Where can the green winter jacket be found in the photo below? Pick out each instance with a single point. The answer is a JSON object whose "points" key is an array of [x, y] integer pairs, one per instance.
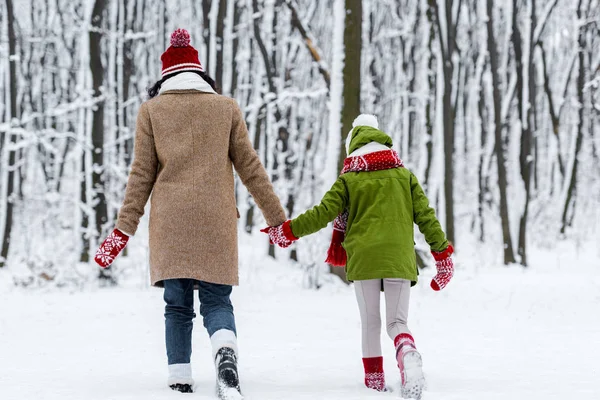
{"points": [[383, 206]]}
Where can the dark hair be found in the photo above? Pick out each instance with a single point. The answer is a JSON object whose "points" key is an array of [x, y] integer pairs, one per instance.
{"points": [[154, 89]]}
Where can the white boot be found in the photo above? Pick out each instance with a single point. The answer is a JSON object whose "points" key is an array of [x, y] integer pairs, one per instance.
{"points": [[224, 344], [223, 338], [180, 373]]}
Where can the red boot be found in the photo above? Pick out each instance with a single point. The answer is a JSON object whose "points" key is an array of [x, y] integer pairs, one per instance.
{"points": [[374, 376], [411, 366]]}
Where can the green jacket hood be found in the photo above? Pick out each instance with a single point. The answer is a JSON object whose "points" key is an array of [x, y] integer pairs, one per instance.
{"points": [[363, 135]]}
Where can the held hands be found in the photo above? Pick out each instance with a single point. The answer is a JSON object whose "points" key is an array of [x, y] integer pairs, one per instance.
{"points": [[445, 268], [111, 248], [281, 235]]}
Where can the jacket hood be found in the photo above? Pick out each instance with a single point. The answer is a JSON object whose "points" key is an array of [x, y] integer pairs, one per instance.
{"points": [[363, 135]]}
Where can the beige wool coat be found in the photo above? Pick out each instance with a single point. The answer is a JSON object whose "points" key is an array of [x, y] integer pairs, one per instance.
{"points": [[186, 146]]}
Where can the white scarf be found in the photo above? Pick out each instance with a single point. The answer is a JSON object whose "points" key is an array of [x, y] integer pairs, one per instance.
{"points": [[186, 81]]}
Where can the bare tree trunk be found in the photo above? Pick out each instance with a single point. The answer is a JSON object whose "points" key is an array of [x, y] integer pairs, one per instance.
{"points": [[572, 188], [509, 256], [85, 219], [351, 79], [409, 65], [97, 69], [449, 115], [554, 115], [128, 72], [206, 4], [257, 136], [483, 188], [430, 106], [237, 12], [220, 42], [525, 109], [448, 47], [353, 50], [12, 115]]}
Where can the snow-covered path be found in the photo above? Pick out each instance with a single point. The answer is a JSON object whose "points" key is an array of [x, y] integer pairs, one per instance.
{"points": [[503, 334]]}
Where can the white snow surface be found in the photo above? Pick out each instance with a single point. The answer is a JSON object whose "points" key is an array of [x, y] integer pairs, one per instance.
{"points": [[495, 333]]}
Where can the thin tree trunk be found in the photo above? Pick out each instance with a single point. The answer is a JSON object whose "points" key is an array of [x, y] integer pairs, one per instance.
{"points": [[524, 105], [351, 79], [97, 69], [257, 136], [509, 256], [220, 42], [481, 177], [206, 5], [235, 31], [12, 115], [431, 98], [128, 72], [448, 47], [351, 74], [409, 65], [554, 115], [572, 188], [85, 219], [449, 113]]}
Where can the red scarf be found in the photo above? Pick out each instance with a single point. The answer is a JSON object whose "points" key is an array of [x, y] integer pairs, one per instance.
{"points": [[378, 161]]}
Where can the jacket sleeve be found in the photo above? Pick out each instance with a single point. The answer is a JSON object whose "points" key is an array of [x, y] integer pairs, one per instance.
{"points": [[141, 177], [334, 203], [424, 217], [251, 171]]}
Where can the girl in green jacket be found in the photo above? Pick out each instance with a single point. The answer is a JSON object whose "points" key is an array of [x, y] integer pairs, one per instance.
{"points": [[375, 203]]}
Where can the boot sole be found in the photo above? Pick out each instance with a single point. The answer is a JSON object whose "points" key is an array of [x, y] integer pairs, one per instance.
{"points": [[414, 380]]}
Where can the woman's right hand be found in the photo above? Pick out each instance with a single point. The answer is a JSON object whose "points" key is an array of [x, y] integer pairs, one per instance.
{"points": [[111, 248], [281, 235]]}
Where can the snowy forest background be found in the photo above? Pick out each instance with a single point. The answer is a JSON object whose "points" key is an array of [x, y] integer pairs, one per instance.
{"points": [[494, 104]]}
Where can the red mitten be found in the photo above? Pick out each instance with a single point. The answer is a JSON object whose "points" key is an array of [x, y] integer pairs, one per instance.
{"points": [[110, 248], [445, 268], [281, 235]]}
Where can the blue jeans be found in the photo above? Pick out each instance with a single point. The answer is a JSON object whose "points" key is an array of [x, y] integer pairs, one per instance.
{"points": [[215, 307]]}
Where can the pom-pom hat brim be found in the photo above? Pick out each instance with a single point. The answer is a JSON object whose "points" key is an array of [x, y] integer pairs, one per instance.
{"points": [[182, 67], [180, 56]]}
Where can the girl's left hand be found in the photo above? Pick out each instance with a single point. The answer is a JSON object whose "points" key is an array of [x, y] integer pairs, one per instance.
{"points": [[445, 268], [281, 235]]}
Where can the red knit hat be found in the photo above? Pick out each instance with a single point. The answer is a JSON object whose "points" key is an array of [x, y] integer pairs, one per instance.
{"points": [[180, 56]]}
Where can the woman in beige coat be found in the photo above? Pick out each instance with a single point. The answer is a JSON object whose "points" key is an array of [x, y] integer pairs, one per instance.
{"points": [[188, 140]]}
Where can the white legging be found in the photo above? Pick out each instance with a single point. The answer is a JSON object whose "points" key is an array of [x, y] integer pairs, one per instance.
{"points": [[368, 295]]}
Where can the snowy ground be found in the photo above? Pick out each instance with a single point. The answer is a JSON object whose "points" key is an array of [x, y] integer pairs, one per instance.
{"points": [[495, 333]]}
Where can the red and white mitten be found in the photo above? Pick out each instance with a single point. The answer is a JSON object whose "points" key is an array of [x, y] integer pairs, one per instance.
{"points": [[445, 268], [281, 235], [111, 248]]}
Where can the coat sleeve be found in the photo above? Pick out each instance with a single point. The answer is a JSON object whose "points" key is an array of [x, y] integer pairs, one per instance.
{"points": [[142, 175], [251, 171], [333, 204], [424, 217]]}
